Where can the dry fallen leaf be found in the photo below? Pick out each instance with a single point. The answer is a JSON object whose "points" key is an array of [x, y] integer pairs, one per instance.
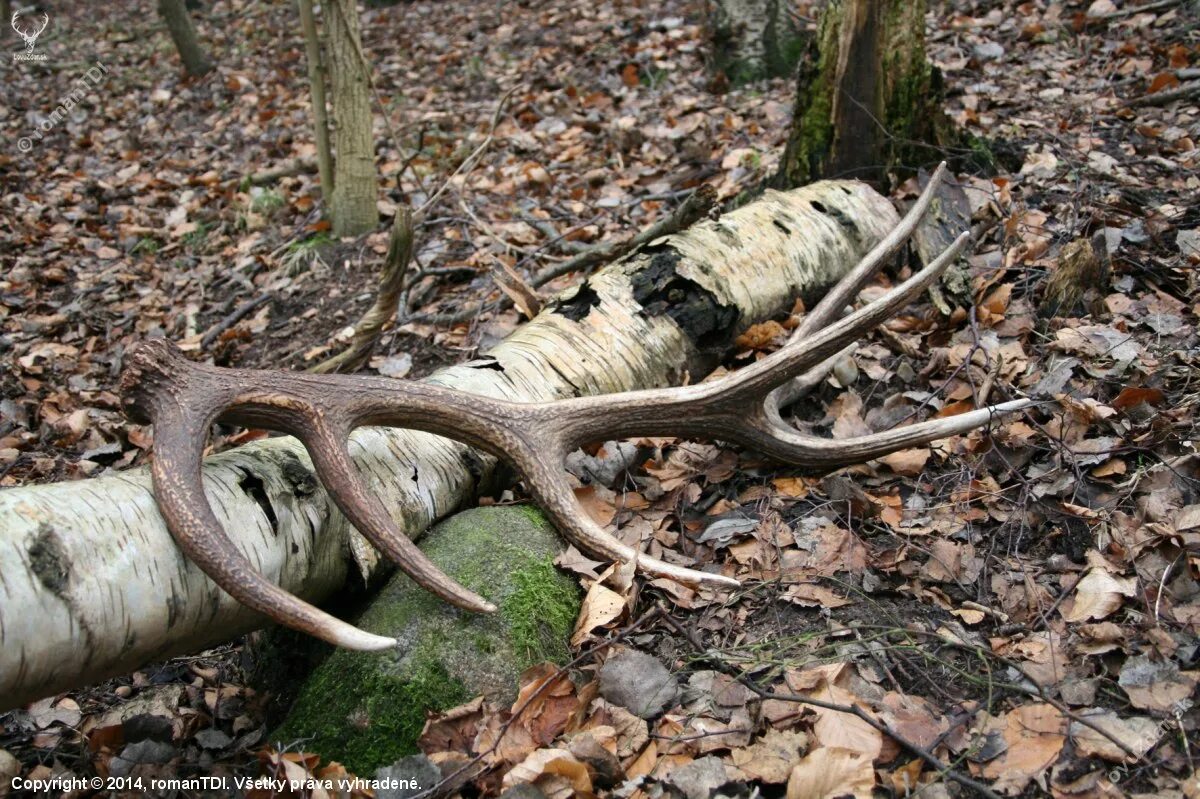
{"points": [[908, 462], [1138, 733], [831, 773], [555, 772], [600, 606], [1034, 735], [1097, 596], [772, 757]]}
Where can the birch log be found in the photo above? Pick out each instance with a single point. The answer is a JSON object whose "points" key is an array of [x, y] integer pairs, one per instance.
{"points": [[92, 585]]}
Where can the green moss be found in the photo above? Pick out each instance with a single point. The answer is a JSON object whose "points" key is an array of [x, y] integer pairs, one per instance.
{"points": [[356, 712], [367, 709], [541, 612]]}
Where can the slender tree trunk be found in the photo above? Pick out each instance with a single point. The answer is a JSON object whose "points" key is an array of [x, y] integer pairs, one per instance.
{"points": [[753, 39], [867, 100], [316, 86], [355, 183], [91, 583], [173, 12]]}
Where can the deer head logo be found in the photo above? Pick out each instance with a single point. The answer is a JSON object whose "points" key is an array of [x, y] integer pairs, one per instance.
{"points": [[30, 36]]}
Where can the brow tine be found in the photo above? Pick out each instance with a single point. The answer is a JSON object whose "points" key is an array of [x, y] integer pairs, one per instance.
{"points": [[178, 487], [340, 477]]}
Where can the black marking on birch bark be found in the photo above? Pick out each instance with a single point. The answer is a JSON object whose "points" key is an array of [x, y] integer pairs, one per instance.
{"points": [[577, 306], [176, 607], [473, 463], [554, 368], [486, 362], [254, 487], [661, 290], [727, 235], [303, 482], [787, 231], [840, 217], [49, 561]]}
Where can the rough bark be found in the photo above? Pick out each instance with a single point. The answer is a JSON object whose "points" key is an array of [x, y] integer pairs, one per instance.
{"points": [[753, 39], [175, 14], [867, 100], [316, 87], [91, 583], [355, 182]]}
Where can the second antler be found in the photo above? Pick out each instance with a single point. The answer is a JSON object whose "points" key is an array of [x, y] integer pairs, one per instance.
{"points": [[183, 399]]}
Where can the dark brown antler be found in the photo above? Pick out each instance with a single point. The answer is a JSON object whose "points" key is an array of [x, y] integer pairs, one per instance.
{"points": [[183, 399]]}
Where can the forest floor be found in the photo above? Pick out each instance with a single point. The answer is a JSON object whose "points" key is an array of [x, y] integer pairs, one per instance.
{"points": [[1021, 601]]}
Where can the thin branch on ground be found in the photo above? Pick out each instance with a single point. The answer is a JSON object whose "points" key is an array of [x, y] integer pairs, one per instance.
{"points": [[932, 760], [391, 283], [699, 204]]}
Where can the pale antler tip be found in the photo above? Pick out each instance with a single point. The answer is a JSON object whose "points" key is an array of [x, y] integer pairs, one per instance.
{"points": [[361, 640]]}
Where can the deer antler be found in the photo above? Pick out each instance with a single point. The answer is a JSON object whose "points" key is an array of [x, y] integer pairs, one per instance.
{"points": [[30, 38], [182, 399]]}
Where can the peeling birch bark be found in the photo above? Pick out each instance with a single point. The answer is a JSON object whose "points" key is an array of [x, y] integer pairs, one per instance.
{"points": [[92, 585]]}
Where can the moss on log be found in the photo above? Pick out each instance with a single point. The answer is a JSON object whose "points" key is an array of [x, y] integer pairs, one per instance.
{"points": [[367, 709]]}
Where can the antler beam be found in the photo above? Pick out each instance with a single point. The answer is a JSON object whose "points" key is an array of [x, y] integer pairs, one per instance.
{"points": [[182, 400]]}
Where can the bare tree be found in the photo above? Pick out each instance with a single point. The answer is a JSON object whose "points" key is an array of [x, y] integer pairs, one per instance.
{"points": [[866, 99], [175, 14], [753, 39], [316, 85], [355, 179]]}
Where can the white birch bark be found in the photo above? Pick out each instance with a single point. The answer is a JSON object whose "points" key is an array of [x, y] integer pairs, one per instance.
{"points": [[92, 585]]}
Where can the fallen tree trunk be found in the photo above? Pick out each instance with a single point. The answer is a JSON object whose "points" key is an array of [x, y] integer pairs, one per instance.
{"points": [[92, 585]]}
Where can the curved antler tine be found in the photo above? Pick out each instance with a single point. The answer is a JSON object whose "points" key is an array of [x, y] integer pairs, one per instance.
{"points": [[811, 452], [556, 499], [845, 290], [154, 385], [758, 379], [842, 294], [327, 447]]}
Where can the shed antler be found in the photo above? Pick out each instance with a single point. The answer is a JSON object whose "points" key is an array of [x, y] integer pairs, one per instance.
{"points": [[182, 399]]}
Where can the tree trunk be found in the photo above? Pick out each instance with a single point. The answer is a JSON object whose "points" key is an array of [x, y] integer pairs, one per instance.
{"points": [[316, 87], [91, 583], [753, 39], [173, 12], [867, 100], [355, 183]]}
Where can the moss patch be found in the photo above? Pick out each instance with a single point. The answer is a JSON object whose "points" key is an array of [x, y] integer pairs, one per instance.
{"points": [[367, 709]]}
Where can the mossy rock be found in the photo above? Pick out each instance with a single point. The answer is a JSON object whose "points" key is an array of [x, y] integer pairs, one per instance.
{"points": [[367, 709]]}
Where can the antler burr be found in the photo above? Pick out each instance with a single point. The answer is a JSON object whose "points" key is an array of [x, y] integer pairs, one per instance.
{"points": [[182, 399]]}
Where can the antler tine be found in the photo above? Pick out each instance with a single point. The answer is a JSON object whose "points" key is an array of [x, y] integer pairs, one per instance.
{"points": [[774, 436], [822, 454], [760, 378], [364, 510], [834, 303], [845, 290], [556, 499], [154, 385]]}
